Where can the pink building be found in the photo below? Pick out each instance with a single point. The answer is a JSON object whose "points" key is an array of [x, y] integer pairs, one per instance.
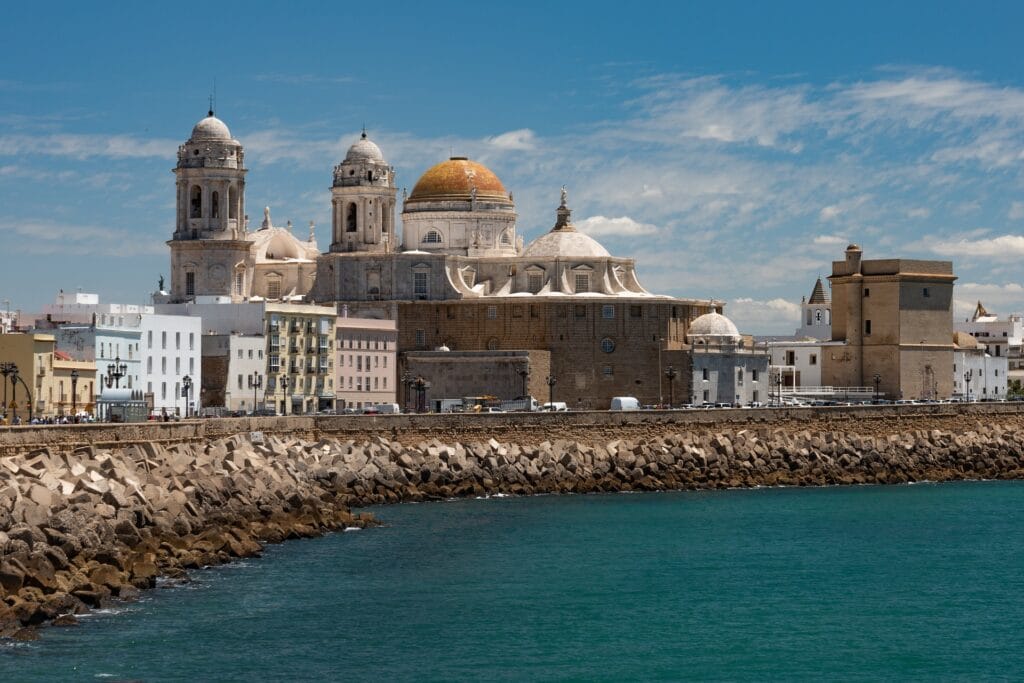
{"points": [[365, 371]]}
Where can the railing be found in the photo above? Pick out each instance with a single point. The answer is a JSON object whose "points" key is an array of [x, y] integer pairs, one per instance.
{"points": [[824, 390]]}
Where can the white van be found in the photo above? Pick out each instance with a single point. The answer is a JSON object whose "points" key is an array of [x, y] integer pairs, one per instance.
{"points": [[556, 407], [625, 403], [387, 409]]}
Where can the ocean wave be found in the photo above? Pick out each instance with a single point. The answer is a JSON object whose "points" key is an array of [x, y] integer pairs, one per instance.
{"points": [[353, 528]]}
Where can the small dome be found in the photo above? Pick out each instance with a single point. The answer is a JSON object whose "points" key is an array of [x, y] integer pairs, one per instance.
{"points": [[211, 128], [364, 150], [565, 244], [714, 327], [455, 179]]}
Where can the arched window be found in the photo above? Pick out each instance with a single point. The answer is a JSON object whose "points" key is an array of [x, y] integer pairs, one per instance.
{"points": [[196, 202], [232, 202], [369, 175], [432, 237], [506, 238], [350, 222], [215, 205]]}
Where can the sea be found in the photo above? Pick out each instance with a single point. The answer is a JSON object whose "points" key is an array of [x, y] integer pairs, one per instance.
{"points": [[916, 582]]}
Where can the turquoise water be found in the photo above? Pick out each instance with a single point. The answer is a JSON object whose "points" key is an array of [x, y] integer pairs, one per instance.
{"points": [[918, 582]]}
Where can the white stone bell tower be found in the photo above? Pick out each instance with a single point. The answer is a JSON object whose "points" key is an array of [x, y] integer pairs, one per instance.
{"points": [[363, 201], [209, 242]]}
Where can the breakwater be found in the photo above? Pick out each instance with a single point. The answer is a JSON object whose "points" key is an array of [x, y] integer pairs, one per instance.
{"points": [[80, 526]]}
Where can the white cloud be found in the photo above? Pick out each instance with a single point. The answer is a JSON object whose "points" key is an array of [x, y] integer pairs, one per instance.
{"points": [[999, 299], [623, 225], [829, 212], [522, 139], [830, 240], [52, 237], [86, 146], [1005, 246], [772, 316], [1016, 211]]}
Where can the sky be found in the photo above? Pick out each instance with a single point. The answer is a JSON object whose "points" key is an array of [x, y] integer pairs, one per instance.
{"points": [[733, 148]]}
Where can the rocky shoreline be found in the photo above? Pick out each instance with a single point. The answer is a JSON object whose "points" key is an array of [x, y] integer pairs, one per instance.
{"points": [[81, 528]]}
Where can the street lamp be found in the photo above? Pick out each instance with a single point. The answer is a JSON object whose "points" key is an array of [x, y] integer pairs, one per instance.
{"points": [[671, 374], [421, 385], [878, 381], [284, 390], [115, 371], [74, 395], [7, 369], [967, 380], [186, 390], [407, 380], [14, 394], [524, 372], [552, 381], [257, 383]]}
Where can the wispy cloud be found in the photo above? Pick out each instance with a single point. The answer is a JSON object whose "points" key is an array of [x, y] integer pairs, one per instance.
{"points": [[52, 237], [79, 146], [1003, 247], [521, 139], [622, 226]]}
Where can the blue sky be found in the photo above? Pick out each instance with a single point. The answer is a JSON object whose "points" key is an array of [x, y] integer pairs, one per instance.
{"points": [[733, 148]]}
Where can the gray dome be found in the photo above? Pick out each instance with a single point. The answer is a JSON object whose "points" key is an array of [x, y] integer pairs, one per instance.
{"points": [[565, 244], [713, 327], [211, 128], [364, 150]]}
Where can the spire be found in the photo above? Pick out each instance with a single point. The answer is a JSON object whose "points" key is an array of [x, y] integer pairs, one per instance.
{"points": [[364, 131], [818, 295], [979, 311]]}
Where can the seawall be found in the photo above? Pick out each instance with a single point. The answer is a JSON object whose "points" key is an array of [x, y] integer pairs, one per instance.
{"points": [[83, 524]]}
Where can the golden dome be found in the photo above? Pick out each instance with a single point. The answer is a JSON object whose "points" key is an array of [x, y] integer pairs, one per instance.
{"points": [[455, 179]]}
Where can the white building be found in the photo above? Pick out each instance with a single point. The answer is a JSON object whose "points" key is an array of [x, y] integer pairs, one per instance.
{"points": [[244, 379], [975, 371], [156, 350], [816, 315], [1001, 338]]}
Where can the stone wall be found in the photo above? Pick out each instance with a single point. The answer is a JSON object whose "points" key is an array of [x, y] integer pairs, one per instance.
{"points": [[81, 527]]}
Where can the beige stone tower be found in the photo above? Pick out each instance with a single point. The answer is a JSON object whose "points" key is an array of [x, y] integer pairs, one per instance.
{"points": [[896, 319], [209, 243], [363, 201]]}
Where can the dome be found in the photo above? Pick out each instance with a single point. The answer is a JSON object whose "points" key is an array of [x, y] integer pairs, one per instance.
{"points": [[714, 327], [565, 244], [364, 150], [211, 128], [455, 179]]}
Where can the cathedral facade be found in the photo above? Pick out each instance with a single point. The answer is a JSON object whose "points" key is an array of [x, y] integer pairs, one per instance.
{"points": [[459, 277]]}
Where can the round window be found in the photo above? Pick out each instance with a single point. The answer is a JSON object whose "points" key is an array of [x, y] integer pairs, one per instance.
{"points": [[607, 345]]}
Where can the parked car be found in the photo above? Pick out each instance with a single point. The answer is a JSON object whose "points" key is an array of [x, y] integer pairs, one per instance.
{"points": [[556, 407], [625, 403]]}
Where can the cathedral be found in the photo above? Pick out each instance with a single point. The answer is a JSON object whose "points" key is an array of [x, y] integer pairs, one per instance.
{"points": [[458, 277]]}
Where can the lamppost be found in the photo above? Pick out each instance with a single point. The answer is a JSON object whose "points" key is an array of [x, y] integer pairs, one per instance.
{"points": [[671, 375], [257, 383], [525, 374], [284, 390], [186, 391], [7, 369], [407, 380], [421, 385], [74, 395], [115, 371], [552, 381], [967, 380], [878, 381], [14, 394]]}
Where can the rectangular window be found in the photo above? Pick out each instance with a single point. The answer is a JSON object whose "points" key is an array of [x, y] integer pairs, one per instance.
{"points": [[534, 282], [753, 376], [867, 327], [177, 341], [582, 282], [608, 312], [239, 354], [814, 359], [739, 376], [607, 371], [706, 395], [636, 311], [420, 287], [177, 366], [163, 340], [580, 311], [190, 284], [163, 390], [376, 383], [790, 357], [240, 380], [192, 366], [867, 292], [273, 289], [492, 312], [704, 374], [149, 339], [275, 362], [421, 338], [927, 293], [191, 341], [149, 365], [163, 365], [239, 282]]}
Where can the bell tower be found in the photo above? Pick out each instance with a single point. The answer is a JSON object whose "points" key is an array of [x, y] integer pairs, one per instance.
{"points": [[363, 201], [209, 241]]}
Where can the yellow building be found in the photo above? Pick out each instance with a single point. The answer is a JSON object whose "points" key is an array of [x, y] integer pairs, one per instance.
{"points": [[32, 362]]}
